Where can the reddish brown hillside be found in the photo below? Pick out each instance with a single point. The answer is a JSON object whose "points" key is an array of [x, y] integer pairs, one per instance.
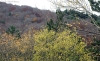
{"points": [[23, 17]]}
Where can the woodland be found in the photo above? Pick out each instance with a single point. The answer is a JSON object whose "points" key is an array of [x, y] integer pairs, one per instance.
{"points": [[31, 34]]}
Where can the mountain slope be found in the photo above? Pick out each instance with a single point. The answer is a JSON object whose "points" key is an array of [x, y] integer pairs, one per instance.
{"points": [[23, 17]]}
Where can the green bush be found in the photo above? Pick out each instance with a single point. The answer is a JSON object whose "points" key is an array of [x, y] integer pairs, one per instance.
{"points": [[72, 14], [97, 19], [13, 31], [3, 22], [95, 49], [59, 46], [9, 14], [59, 25]]}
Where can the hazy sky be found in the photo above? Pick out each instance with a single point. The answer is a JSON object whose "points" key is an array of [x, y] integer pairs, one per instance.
{"points": [[41, 4]]}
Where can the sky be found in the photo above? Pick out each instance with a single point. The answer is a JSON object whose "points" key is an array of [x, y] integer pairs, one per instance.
{"points": [[41, 4]]}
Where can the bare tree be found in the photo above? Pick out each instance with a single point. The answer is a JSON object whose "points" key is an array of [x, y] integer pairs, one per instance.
{"points": [[78, 5]]}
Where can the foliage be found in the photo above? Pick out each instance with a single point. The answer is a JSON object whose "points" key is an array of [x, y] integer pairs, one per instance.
{"points": [[59, 25], [78, 5], [50, 25], [59, 46], [3, 22], [10, 14], [97, 19], [12, 30], [95, 5], [75, 14], [95, 49], [13, 49], [60, 14]]}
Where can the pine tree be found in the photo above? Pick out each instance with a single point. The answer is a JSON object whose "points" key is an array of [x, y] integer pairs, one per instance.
{"points": [[95, 5]]}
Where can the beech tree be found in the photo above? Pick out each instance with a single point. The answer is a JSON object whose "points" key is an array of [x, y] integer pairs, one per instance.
{"points": [[59, 46]]}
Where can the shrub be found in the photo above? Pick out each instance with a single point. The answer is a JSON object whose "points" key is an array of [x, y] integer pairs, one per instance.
{"points": [[9, 14], [95, 49], [3, 22], [97, 19], [12, 30], [62, 46], [13, 49], [74, 14], [59, 25]]}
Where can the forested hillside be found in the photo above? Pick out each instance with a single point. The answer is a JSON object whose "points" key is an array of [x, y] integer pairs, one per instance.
{"points": [[23, 17], [31, 34]]}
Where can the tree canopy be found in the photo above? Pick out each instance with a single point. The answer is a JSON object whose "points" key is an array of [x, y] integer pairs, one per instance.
{"points": [[95, 5], [86, 6]]}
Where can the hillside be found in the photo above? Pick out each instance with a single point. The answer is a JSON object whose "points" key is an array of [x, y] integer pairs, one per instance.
{"points": [[28, 38], [23, 17]]}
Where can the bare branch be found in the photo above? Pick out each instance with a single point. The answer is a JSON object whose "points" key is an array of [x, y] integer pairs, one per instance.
{"points": [[78, 5]]}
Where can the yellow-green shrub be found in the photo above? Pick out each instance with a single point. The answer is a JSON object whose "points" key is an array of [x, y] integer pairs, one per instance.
{"points": [[14, 49], [62, 46]]}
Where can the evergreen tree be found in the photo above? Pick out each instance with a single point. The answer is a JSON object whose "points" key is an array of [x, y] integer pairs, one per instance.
{"points": [[59, 25], [12, 30], [95, 5]]}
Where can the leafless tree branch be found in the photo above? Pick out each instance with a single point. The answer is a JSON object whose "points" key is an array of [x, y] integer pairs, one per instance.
{"points": [[78, 5]]}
